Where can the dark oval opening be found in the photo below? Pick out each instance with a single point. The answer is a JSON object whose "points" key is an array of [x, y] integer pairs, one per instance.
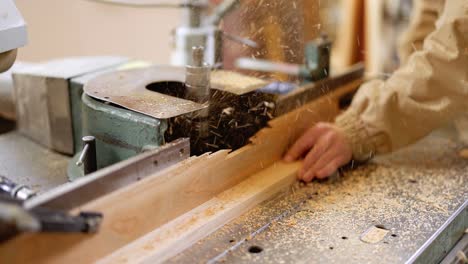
{"points": [[255, 249], [381, 227], [171, 88], [6, 126]]}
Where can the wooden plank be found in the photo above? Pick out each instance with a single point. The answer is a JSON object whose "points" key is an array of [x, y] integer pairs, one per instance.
{"points": [[348, 45], [234, 82], [373, 36], [136, 210], [178, 235], [311, 10], [122, 223]]}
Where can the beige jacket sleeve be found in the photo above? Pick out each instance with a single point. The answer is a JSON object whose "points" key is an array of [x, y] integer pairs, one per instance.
{"points": [[423, 19], [424, 94]]}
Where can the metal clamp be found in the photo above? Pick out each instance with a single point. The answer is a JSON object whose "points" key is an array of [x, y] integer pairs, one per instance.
{"points": [[14, 190]]}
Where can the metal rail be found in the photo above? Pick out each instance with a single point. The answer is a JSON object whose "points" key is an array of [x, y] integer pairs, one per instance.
{"points": [[444, 239], [102, 182]]}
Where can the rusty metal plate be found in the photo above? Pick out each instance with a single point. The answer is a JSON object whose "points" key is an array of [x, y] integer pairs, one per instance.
{"points": [[128, 89]]}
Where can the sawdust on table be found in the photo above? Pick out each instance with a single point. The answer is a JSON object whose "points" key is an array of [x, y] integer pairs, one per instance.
{"points": [[326, 217]]}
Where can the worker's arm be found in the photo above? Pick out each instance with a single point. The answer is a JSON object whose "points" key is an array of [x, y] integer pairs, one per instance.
{"points": [[427, 92], [423, 19]]}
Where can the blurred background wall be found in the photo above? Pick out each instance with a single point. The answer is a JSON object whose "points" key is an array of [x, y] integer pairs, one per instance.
{"points": [[59, 28]]}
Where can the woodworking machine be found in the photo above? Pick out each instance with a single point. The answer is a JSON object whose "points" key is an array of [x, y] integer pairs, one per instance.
{"points": [[12, 33], [91, 127], [198, 27]]}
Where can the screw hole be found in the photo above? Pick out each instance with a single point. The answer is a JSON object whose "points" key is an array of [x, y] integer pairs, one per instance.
{"points": [[381, 227], [156, 163], [385, 242], [255, 249], [331, 248], [413, 181], [344, 238], [394, 235], [232, 241], [106, 97]]}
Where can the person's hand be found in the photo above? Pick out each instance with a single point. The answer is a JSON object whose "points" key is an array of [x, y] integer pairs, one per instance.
{"points": [[326, 148]]}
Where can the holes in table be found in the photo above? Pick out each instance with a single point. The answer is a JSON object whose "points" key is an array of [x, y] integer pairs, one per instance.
{"points": [[255, 249]]}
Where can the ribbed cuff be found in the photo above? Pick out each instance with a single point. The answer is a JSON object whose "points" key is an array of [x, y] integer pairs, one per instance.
{"points": [[364, 144]]}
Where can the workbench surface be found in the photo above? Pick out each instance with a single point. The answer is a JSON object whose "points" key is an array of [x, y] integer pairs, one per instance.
{"points": [[28, 163], [410, 193]]}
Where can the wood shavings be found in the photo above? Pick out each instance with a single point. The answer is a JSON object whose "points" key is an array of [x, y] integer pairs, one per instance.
{"points": [[235, 83], [379, 193]]}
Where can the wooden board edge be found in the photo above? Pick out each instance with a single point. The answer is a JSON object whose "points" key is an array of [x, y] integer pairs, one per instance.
{"points": [[176, 236], [131, 219]]}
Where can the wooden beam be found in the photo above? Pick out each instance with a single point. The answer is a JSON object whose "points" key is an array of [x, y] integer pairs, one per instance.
{"points": [[349, 44], [178, 235], [136, 210], [374, 12], [311, 10]]}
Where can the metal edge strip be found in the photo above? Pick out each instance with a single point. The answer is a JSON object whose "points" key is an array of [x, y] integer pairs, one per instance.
{"points": [[428, 253], [107, 180]]}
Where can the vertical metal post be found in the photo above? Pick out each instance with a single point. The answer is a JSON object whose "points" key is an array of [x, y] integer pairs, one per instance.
{"points": [[197, 82], [88, 156]]}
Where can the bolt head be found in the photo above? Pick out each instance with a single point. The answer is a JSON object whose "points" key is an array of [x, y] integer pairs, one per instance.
{"points": [[88, 139]]}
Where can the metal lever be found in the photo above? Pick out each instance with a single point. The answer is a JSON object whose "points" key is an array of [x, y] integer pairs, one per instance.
{"points": [[317, 65], [14, 218], [243, 41], [15, 190], [88, 155], [221, 11]]}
